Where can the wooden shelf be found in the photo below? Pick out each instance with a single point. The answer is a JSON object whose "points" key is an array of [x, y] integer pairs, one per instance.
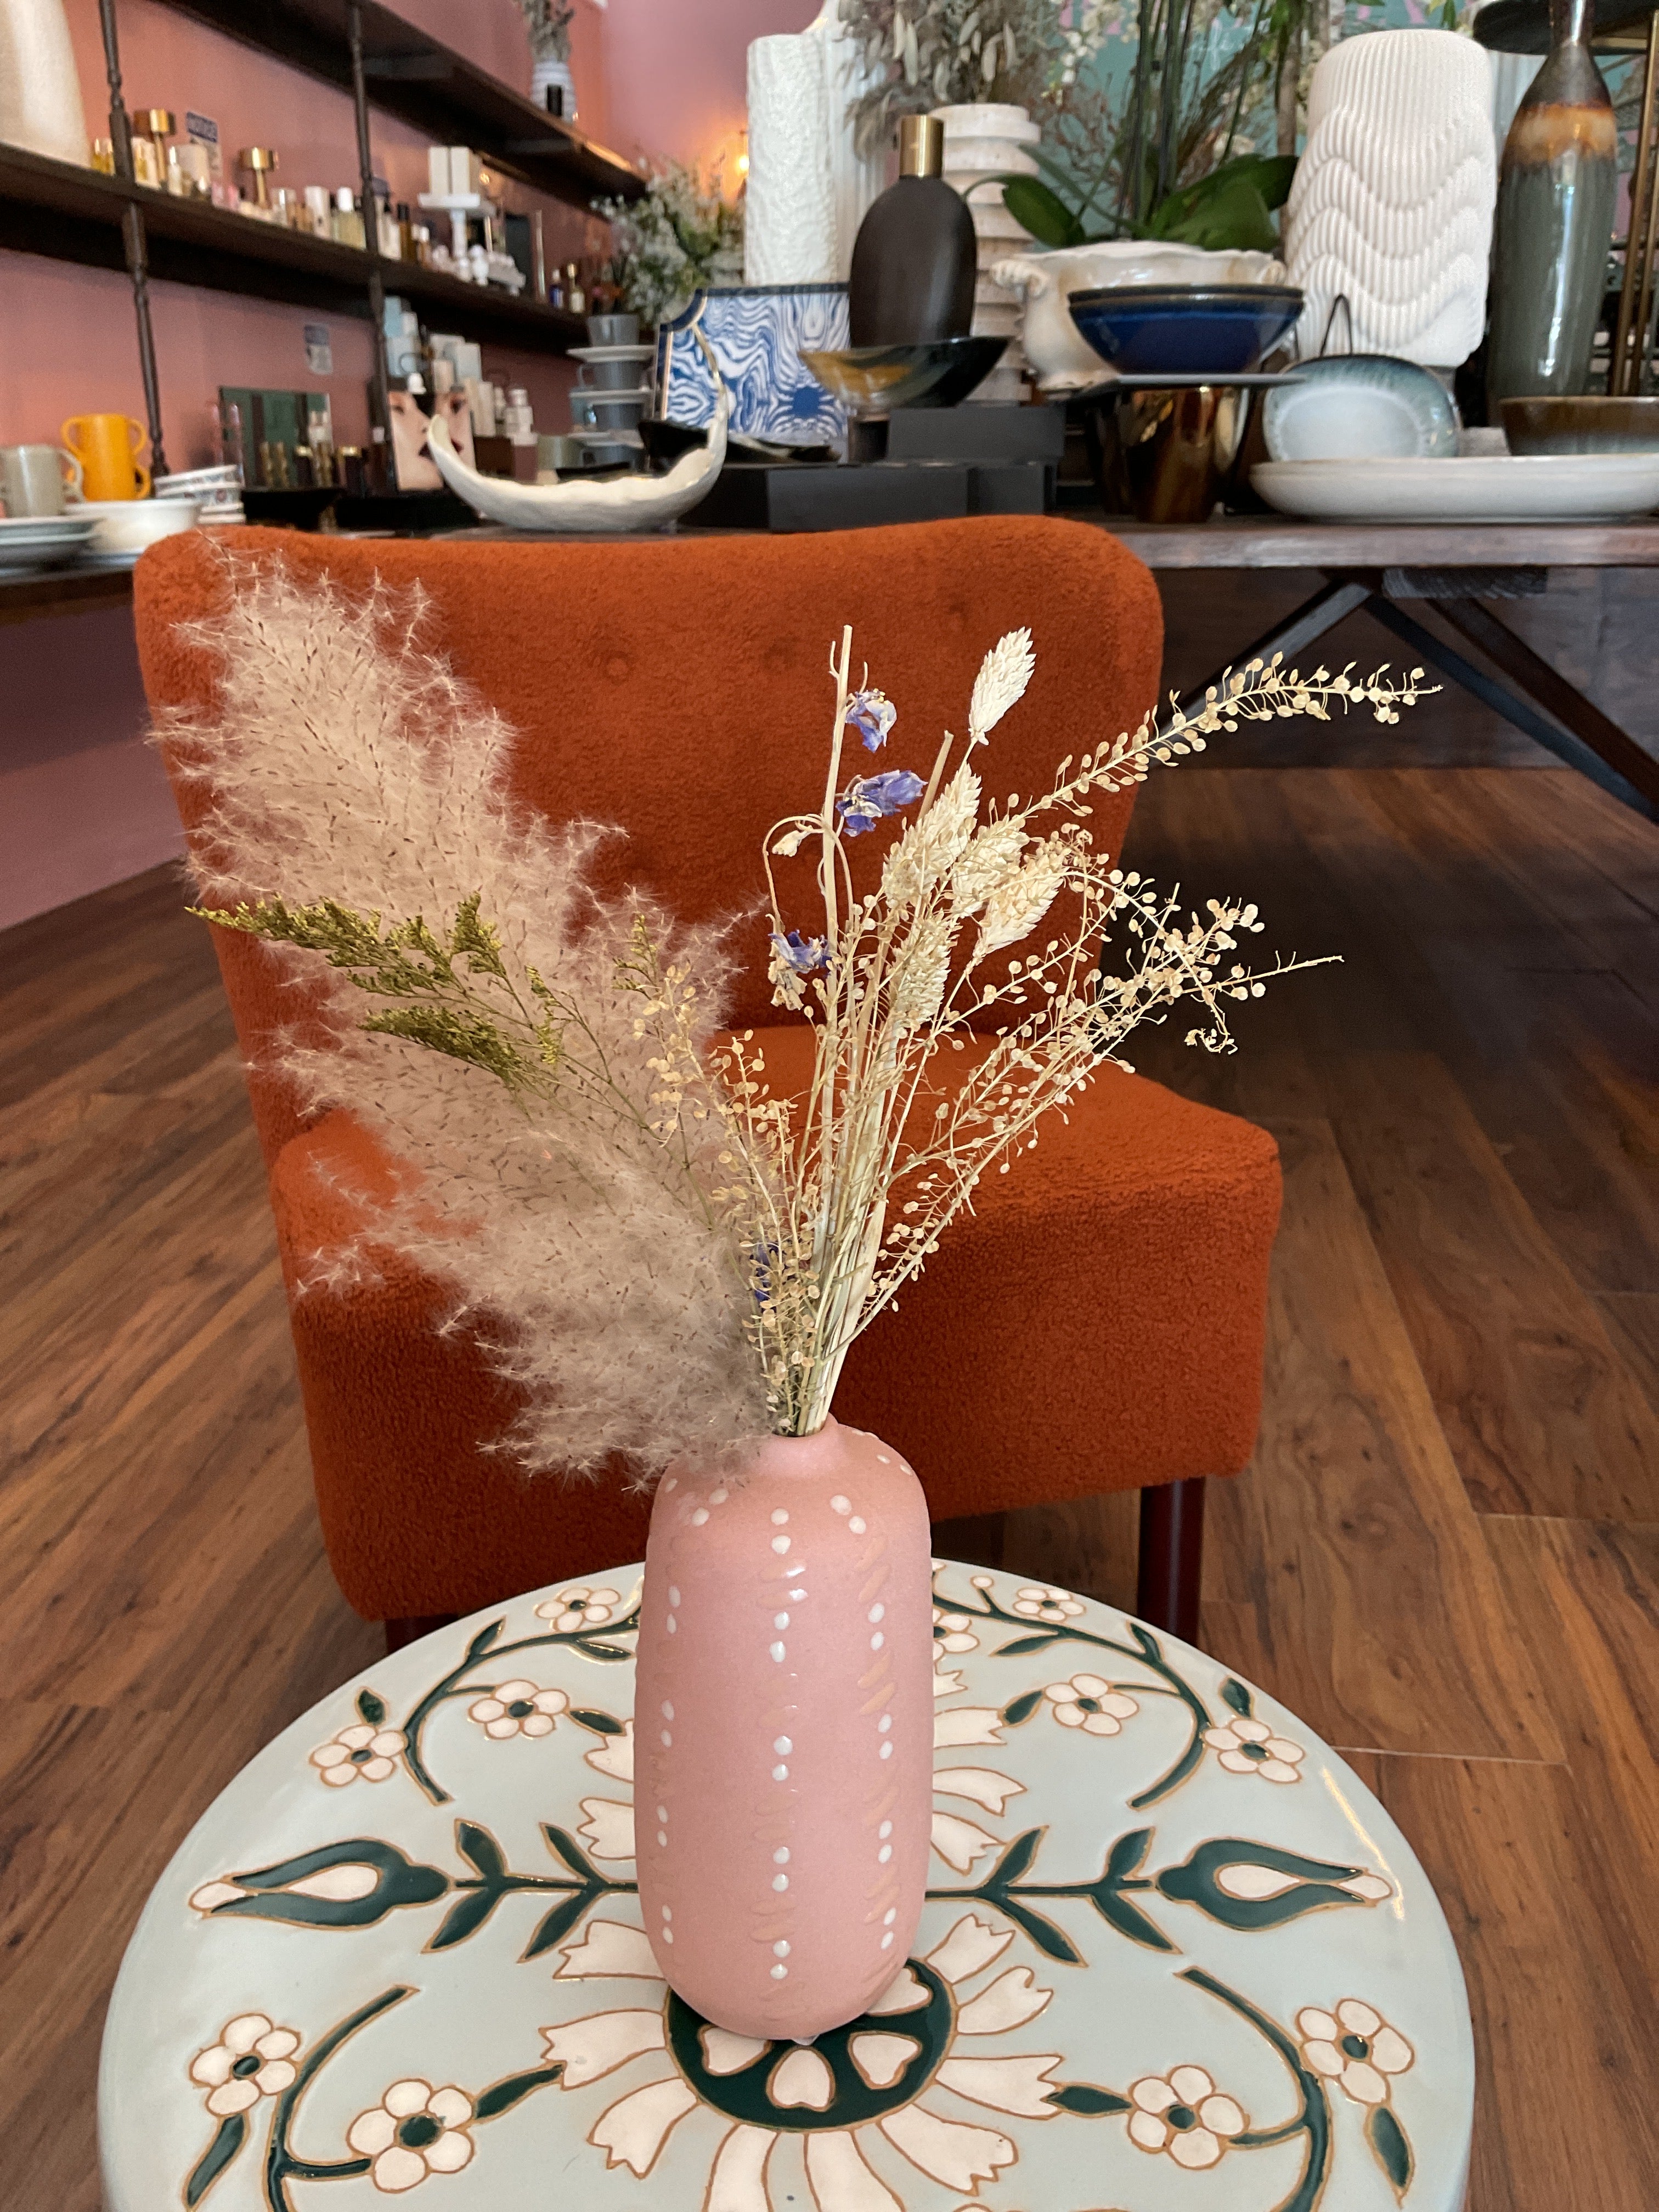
{"points": [[71, 214], [62, 590], [428, 85]]}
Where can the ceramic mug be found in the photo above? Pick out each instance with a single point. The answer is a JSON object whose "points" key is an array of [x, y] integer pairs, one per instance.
{"points": [[32, 479], [609, 375], [613, 330], [108, 447]]}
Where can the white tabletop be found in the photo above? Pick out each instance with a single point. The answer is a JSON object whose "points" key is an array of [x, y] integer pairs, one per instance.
{"points": [[1175, 1957]]}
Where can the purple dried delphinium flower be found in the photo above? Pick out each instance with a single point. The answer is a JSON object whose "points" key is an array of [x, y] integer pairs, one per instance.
{"points": [[872, 714], [804, 955], [867, 799]]}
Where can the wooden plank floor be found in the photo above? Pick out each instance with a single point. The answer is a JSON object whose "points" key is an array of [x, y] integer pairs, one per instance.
{"points": [[1446, 1554]]}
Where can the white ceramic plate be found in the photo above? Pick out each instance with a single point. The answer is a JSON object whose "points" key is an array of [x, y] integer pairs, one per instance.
{"points": [[1483, 488], [612, 353], [25, 529], [1360, 407]]}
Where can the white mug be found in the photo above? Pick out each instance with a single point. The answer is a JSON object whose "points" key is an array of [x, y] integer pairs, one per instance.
{"points": [[35, 479]]}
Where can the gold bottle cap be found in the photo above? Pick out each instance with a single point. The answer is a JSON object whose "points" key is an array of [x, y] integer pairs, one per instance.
{"points": [[257, 158], [921, 146], [155, 122]]}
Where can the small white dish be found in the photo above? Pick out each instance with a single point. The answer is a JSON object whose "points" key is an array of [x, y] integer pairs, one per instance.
{"points": [[612, 353], [1472, 487], [41, 541], [1360, 407], [128, 525]]}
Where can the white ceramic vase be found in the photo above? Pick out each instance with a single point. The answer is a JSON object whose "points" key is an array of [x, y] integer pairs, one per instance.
{"points": [[39, 90], [789, 227], [547, 71], [990, 139], [1392, 205], [1059, 355]]}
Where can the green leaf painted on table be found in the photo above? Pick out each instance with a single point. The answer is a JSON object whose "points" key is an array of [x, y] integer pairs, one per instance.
{"points": [[1128, 1919], [572, 1855], [482, 1642], [1389, 2147], [1022, 1644], [276, 1895], [555, 1925], [231, 2135], [502, 2096], [465, 1918], [1083, 2099], [1150, 1647], [1234, 1694], [1016, 1714], [480, 1849], [1127, 1853], [1052, 1941], [588, 1717], [371, 1708], [599, 1650], [1015, 1860], [1313, 1885]]}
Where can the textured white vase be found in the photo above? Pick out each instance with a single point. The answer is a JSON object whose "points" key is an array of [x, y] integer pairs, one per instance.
{"points": [[1392, 205], [856, 179], [789, 230], [991, 139], [39, 91], [546, 71]]}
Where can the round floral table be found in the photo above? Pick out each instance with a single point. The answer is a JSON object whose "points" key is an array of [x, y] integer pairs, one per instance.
{"points": [[1176, 1957]]}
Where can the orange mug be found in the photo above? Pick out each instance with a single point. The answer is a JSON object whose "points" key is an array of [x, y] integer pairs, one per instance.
{"points": [[107, 446]]}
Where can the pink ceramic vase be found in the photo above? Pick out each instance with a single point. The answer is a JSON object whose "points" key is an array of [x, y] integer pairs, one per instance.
{"points": [[784, 1732]]}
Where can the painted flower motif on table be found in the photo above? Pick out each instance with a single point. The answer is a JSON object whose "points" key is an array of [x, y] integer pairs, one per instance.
{"points": [[1090, 1702], [1039, 1601], [1249, 1746], [578, 1608], [252, 2059], [864, 2081], [1354, 2047], [415, 2130], [1184, 2116], [361, 1752], [953, 1633], [519, 1708]]}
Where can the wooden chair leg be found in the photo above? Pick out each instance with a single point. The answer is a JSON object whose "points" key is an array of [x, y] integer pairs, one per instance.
{"points": [[1171, 1557], [400, 1632]]}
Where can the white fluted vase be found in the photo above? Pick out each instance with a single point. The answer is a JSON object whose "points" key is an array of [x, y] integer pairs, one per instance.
{"points": [[39, 90], [990, 139]]}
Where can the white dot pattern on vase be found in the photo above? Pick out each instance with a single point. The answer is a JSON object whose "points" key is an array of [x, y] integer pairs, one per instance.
{"points": [[671, 1624], [668, 1913], [780, 1950], [667, 1710], [780, 1881], [856, 1525], [887, 1748], [779, 1972], [718, 1496], [886, 1940], [884, 1724], [673, 1595], [840, 1504], [779, 1620], [885, 1829], [884, 1855], [781, 1856], [777, 1650], [877, 1641], [667, 1740], [662, 1812], [700, 1516], [780, 1544], [876, 1613], [780, 1519], [662, 1838], [780, 1774], [889, 1915], [783, 1746]]}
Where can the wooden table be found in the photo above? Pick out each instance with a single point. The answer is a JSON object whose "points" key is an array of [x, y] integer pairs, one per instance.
{"points": [[1458, 568], [1176, 1956]]}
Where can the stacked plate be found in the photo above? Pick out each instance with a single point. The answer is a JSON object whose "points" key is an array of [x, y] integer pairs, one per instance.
{"points": [[42, 541]]}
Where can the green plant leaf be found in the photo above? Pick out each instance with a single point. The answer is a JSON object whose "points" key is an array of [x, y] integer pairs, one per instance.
{"points": [[1083, 2099], [1015, 1715], [502, 2096], [231, 2135], [370, 1707], [1390, 2146], [1042, 211], [1231, 207], [1234, 1694], [588, 1717], [557, 1924], [465, 1918], [480, 1849]]}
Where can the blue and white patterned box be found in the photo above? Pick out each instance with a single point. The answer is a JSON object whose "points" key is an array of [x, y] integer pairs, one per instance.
{"points": [[756, 334]]}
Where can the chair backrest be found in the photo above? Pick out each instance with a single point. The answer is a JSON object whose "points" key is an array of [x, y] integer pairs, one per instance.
{"points": [[678, 686]]}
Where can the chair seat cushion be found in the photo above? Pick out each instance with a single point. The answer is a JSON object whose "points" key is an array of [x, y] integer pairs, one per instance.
{"points": [[1096, 1324]]}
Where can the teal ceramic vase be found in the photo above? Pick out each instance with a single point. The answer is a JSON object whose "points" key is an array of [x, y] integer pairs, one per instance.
{"points": [[1557, 187]]}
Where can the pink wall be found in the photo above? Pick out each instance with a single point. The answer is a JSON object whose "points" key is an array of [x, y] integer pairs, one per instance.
{"points": [[83, 802]]}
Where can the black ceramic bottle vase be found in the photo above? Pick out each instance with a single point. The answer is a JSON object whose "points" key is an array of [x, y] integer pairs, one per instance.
{"points": [[1557, 187], [915, 259]]}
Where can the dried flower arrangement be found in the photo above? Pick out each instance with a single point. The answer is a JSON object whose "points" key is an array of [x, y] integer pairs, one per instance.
{"points": [[683, 233], [668, 1256], [547, 23]]}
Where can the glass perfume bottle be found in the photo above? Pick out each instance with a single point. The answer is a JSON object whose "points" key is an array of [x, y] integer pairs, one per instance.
{"points": [[916, 258]]}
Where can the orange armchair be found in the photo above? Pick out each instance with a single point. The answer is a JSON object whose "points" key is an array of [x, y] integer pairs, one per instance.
{"points": [[678, 686]]}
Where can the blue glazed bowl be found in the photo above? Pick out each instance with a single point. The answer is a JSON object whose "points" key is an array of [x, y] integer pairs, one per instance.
{"points": [[1217, 330]]}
